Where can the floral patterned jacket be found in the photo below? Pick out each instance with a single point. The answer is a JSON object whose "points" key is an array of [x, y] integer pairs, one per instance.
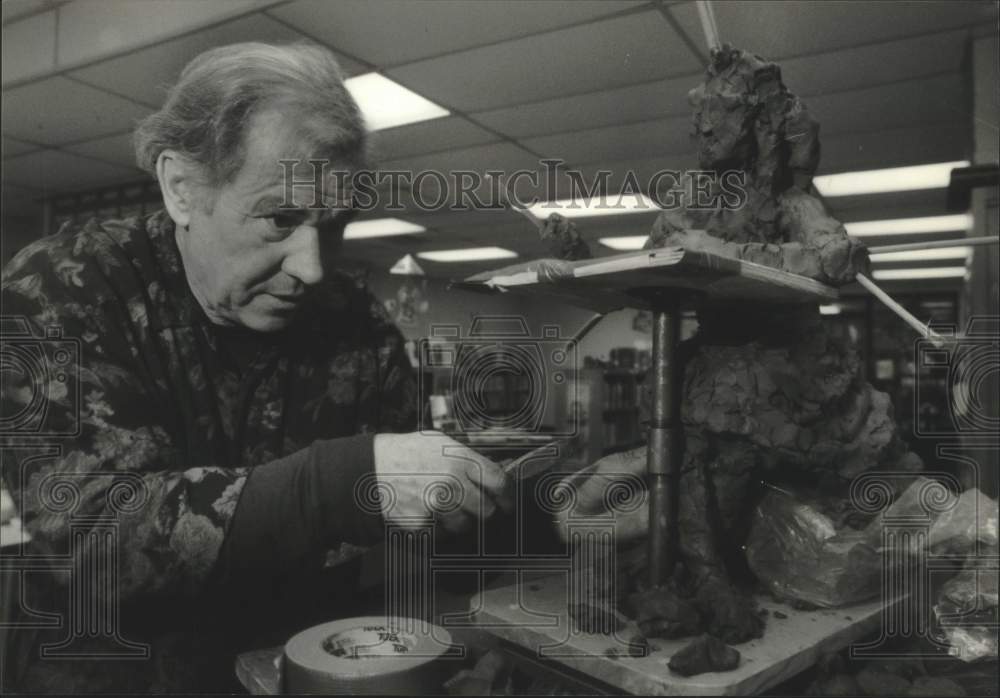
{"points": [[127, 424]]}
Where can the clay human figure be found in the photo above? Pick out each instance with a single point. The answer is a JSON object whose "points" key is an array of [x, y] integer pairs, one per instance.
{"points": [[748, 124], [767, 393], [563, 239]]}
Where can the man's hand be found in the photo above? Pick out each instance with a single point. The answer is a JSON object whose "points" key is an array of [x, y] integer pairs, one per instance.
{"points": [[611, 486], [429, 474]]}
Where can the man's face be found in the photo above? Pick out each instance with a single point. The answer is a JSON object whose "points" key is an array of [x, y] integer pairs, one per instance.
{"points": [[722, 125], [250, 259]]}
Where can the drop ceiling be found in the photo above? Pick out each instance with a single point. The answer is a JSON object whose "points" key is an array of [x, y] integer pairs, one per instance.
{"points": [[597, 84]]}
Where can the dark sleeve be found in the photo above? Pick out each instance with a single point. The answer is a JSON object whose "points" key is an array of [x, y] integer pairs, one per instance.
{"points": [[295, 506], [98, 444], [91, 442]]}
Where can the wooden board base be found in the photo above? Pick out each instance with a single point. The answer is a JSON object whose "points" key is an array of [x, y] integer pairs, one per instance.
{"points": [[625, 280], [532, 614]]}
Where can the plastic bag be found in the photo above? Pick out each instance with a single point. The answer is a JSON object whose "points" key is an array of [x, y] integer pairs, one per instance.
{"points": [[817, 550], [966, 614], [797, 550]]}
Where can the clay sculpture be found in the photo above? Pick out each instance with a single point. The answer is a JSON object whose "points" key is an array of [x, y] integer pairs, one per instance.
{"points": [[768, 394]]}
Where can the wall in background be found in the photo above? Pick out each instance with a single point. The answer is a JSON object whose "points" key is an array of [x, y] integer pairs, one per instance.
{"points": [[418, 304], [17, 231]]}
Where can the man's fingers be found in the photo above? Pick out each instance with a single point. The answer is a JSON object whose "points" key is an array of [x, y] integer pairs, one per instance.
{"points": [[456, 521], [476, 503], [632, 462], [631, 525], [591, 484], [492, 480]]}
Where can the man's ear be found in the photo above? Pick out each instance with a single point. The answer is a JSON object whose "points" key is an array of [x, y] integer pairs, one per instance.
{"points": [[178, 184]]}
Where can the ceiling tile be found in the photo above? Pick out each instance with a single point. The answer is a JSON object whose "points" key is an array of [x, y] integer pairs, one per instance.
{"points": [[505, 157], [929, 100], [53, 172], [498, 156], [621, 105], [100, 28], [15, 9], [58, 110], [391, 32], [902, 204], [502, 234], [895, 148], [616, 142], [450, 220], [117, 150], [776, 28], [428, 137], [602, 226], [614, 52], [146, 74], [12, 147], [644, 170], [877, 64], [29, 47]]}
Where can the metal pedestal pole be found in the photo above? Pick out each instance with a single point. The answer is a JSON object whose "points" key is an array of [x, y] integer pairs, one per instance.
{"points": [[664, 452]]}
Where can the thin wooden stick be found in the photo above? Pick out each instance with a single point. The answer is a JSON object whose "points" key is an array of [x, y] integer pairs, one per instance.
{"points": [[935, 244], [526, 213], [708, 25], [517, 209], [902, 312]]}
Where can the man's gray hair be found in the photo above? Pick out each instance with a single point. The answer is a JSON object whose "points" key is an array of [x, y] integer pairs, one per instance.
{"points": [[209, 111]]}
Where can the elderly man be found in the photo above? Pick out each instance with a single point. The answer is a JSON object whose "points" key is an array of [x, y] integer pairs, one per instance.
{"points": [[234, 393]]}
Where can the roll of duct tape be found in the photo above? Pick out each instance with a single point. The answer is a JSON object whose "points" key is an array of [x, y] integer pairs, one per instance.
{"points": [[369, 655]]}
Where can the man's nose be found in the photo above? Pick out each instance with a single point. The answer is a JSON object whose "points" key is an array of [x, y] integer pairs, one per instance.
{"points": [[303, 259]]}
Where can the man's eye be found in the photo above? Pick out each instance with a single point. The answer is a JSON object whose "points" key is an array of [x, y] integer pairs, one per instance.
{"points": [[283, 223], [285, 220]]}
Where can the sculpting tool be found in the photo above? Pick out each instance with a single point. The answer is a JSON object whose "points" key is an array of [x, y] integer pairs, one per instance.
{"points": [[539, 460], [908, 318], [935, 244]]}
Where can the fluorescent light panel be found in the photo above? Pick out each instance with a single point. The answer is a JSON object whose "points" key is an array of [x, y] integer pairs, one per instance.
{"points": [[940, 253], [611, 205], [932, 176], [380, 228], [911, 226], [624, 242], [468, 254], [831, 309], [385, 103], [928, 273]]}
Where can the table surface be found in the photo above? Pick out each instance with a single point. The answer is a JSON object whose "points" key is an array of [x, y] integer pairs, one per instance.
{"points": [[533, 616], [624, 280]]}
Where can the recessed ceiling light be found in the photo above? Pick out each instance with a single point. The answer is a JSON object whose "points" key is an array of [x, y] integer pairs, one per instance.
{"points": [[909, 226], [380, 228], [610, 205], [933, 176], [957, 252], [624, 242], [385, 103], [831, 309], [928, 273], [468, 254]]}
